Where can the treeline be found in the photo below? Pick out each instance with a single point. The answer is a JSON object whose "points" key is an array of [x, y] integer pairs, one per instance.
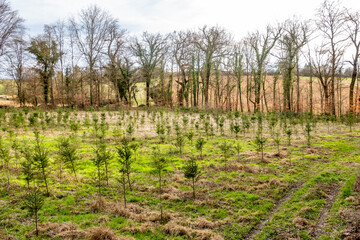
{"points": [[90, 60]]}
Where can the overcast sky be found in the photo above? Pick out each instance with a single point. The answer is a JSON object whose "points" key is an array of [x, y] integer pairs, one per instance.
{"points": [[237, 16]]}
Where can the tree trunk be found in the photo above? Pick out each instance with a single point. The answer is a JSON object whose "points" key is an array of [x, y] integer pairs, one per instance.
{"points": [[352, 86]]}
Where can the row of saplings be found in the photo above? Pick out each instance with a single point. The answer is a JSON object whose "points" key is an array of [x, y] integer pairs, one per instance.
{"points": [[36, 163]]}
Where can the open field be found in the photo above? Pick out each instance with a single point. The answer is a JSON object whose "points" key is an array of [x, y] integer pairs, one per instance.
{"points": [[295, 191]]}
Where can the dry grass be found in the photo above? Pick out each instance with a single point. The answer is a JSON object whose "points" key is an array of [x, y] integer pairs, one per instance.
{"points": [[300, 222], [274, 182], [101, 233], [59, 230], [142, 228], [99, 205], [252, 169], [136, 213], [203, 223], [174, 229], [207, 235]]}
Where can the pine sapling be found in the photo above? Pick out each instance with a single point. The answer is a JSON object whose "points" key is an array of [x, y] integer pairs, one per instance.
{"points": [[34, 201], [200, 145], [159, 164], [41, 159], [192, 172], [125, 160], [68, 154], [226, 150]]}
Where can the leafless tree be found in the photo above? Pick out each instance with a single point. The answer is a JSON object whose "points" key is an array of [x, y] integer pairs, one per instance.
{"points": [[295, 36], [330, 22], [149, 50], [57, 32], [181, 47], [322, 70], [262, 44], [15, 62], [237, 64], [10, 24], [213, 43], [353, 31], [91, 30], [115, 47]]}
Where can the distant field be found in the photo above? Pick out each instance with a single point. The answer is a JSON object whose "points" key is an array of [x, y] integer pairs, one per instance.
{"points": [[2, 89]]}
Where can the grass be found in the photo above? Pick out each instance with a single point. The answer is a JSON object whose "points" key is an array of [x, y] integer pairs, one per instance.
{"points": [[291, 191]]}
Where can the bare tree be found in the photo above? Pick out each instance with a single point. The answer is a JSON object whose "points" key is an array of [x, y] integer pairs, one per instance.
{"points": [[91, 30], [115, 47], [353, 31], [262, 44], [181, 44], [15, 61], [149, 50], [213, 43], [10, 24], [57, 32], [295, 36], [322, 70], [238, 69], [330, 23]]}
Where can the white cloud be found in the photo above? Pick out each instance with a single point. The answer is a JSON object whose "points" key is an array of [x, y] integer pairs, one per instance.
{"points": [[238, 16]]}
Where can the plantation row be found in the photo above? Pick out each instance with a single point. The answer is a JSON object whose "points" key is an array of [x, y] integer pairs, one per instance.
{"points": [[109, 155]]}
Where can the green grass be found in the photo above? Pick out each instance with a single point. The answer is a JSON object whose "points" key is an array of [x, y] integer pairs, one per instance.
{"points": [[235, 198]]}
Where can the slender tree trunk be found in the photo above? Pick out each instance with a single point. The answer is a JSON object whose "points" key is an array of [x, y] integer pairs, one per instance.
{"points": [[45, 180], [128, 178], [297, 86], [99, 182], [148, 92], [124, 189], [311, 89], [160, 199], [193, 186], [352, 86], [264, 93]]}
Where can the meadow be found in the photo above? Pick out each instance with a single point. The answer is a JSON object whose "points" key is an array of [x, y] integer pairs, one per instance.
{"points": [[177, 174]]}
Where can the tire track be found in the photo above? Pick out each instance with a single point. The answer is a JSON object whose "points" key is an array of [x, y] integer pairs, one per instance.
{"points": [[258, 227], [319, 228]]}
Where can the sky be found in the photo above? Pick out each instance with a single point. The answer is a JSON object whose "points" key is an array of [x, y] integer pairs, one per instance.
{"points": [[237, 16]]}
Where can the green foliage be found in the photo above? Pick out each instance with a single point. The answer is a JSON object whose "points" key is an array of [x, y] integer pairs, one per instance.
{"points": [[235, 128], [200, 145], [5, 158], [68, 154], [34, 201], [47, 54], [130, 129], [41, 159], [190, 136], [125, 160], [350, 120], [289, 133], [308, 129], [160, 130], [192, 172], [180, 141], [27, 168], [226, 149], [101, 160], [159, 163]]}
